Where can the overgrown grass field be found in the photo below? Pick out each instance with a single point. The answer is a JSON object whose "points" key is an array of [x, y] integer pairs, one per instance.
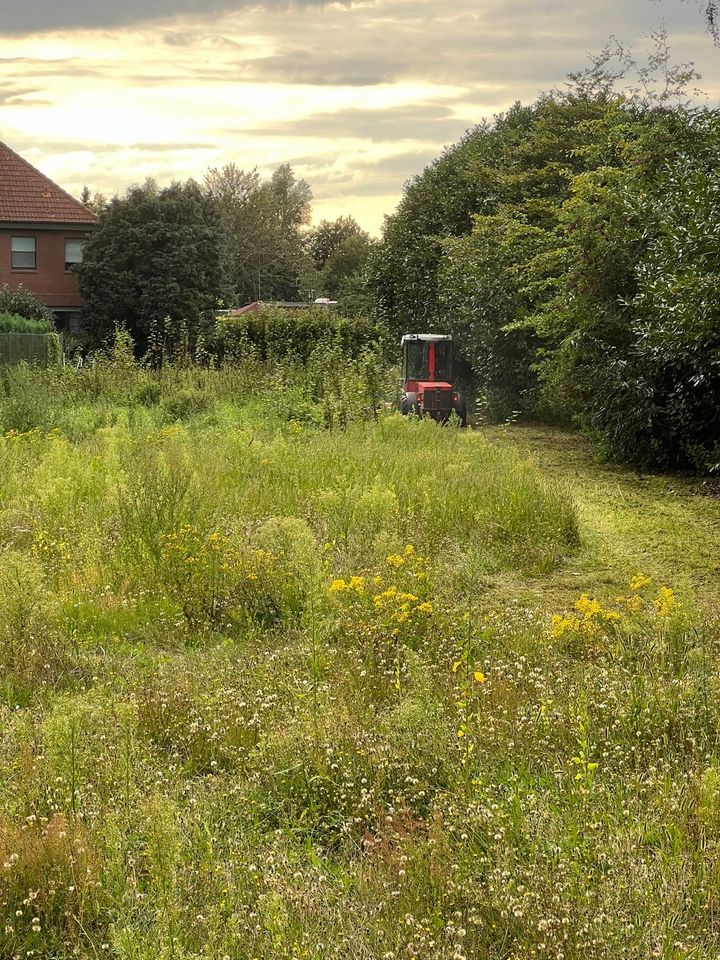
{"points": [[287, 676]]}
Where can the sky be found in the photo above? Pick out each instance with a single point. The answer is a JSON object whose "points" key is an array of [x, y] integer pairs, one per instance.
{"points": [[358, 95]]}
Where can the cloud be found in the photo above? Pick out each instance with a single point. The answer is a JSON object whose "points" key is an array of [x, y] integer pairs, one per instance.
{"points": [[45, 15], [323, 68], [359, 95], [422, 122]]}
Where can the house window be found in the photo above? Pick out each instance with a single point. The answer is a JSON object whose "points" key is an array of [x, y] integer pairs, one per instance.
{"points": [[73, 253], [22, 255], [68, 321]]}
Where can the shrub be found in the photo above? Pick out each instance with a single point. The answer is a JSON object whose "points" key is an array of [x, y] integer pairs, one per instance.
{"points": [[34, 657], [221, 578], [279, 334], [23, 406], [22, 303], [13, 323], [148, 394], [154, 499]]}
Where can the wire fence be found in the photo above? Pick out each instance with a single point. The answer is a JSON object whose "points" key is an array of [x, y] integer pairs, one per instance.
{"points": [[42, 349]]}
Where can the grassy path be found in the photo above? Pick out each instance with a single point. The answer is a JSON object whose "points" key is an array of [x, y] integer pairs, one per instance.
{"points": [[667, 527]]}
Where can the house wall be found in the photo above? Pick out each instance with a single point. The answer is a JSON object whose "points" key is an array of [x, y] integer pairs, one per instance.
{"points": [[50, 281]]}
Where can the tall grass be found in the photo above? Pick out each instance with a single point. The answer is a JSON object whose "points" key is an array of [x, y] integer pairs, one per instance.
{"points": [[256, 702]]}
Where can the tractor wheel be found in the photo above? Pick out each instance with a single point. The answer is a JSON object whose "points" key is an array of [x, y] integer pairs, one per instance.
{"points": [[409, 405], [460, 408]]}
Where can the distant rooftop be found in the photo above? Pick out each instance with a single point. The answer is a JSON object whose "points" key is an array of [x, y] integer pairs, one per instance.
{"points": [[258, 305], [28, 196]]}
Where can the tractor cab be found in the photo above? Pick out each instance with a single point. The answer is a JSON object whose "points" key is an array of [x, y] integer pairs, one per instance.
{"points": [[427, 373]]}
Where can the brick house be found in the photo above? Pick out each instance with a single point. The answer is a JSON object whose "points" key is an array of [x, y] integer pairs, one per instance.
{"points": [[41, 233]]}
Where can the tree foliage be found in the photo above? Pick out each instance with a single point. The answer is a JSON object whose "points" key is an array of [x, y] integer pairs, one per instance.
{"points": [[275, 334], [328, 236], [570, 246], [263, 222], [667, 390], [154, 264], [711, 12], [340, 250]]}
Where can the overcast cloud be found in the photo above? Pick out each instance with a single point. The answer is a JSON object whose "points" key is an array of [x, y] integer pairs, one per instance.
{"points": [[358, 96], [63, 14]]}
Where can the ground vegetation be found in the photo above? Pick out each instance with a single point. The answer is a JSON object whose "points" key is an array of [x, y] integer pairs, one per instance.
{"points": [[285, 675]]}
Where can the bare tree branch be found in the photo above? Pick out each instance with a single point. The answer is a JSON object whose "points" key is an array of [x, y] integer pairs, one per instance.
{"points": [[711, 13], [712, 17]]}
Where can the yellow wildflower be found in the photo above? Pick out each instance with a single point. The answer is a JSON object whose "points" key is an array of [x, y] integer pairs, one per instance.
{"points": [[639, 581], [665, 601], [633, 604], [395, 560], [562, 625], [337, 586], [587, 607], [479, 676], [424, 607]]}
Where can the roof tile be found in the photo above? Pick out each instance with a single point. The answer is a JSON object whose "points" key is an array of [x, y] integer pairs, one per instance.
{"points": [[28, 196]]}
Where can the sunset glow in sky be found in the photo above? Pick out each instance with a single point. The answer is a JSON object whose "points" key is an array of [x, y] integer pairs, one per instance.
{"points": [[357, 96]]}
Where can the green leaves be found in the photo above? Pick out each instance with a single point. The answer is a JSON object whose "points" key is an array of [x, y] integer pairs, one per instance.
{"points": [[572, 249], [261, 241], [154, 261]]}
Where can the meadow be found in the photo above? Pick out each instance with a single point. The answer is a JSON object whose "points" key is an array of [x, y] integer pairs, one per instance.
{"points": [[285, 675]]}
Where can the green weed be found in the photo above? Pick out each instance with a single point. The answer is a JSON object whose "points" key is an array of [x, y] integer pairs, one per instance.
{"points": [[286, 676]]}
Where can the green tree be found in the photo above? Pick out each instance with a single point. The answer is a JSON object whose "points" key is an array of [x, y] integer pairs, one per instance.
{"points": [[712, 18], [486, 292], [340, 250], [325, 238], [154, 265], [711, 12], [263, 222], [525, 239], [455, 255], [587, 326], [93, 201], [655, 399]]}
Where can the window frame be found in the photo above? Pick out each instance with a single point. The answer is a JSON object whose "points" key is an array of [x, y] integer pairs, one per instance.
{"points": [[68, 263], [416, 360], [26, 268]]}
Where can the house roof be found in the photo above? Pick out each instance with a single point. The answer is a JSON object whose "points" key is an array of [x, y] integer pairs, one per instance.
{"points": [[28, 196], [257, 305]]}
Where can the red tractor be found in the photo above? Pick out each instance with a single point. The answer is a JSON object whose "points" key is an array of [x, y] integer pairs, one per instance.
{"points": [[427, 377]]}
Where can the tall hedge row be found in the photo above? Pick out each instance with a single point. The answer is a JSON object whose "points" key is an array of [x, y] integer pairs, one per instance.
{"points": [[276, 334]]}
